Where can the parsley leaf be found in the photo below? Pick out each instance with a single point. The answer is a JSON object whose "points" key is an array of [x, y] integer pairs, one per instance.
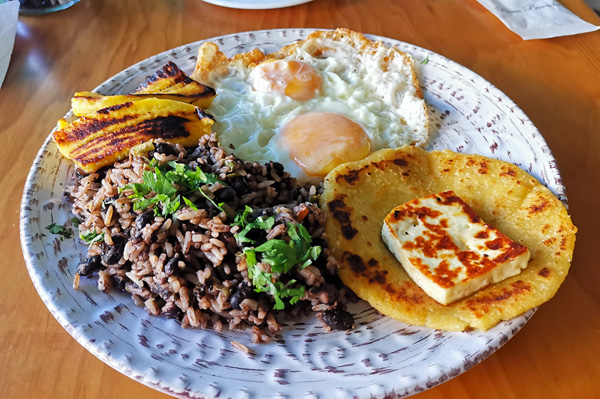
{"points": [[64, 232], [241, 219], [158, 183], [193, 180], [301, 240], [91, 237], [265, 282], [288, 291], [169, 206], [261, 223], [190, 203], [425, 60], [161, 188], [280, 254]]}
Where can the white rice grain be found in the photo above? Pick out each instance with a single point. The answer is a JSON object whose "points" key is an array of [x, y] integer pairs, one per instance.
{"points": [[152, 307], [240, 347]]}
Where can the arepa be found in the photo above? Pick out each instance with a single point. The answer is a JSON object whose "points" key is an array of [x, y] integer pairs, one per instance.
{"points": [[360, 194]]}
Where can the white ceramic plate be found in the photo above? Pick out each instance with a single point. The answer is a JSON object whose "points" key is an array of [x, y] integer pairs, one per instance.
{"points": [[256, 4], [380, 358]]}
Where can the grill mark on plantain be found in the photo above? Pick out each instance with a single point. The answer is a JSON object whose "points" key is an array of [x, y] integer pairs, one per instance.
{"points": [[168, 127], [86, 127], [175, 77], [170, 71], [202, 114], [113, 108]]}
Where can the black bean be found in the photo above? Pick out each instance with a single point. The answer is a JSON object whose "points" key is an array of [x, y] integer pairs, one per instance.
{"points": [[230, 242], [172, 267], [225, 194], [240, 185], [90, 265], [143, 219], [277, 166], [171, 311], [113, 253], [118, 281], [165, 149], [338, 319], [256, 235], [244, 291], [162, 292]]}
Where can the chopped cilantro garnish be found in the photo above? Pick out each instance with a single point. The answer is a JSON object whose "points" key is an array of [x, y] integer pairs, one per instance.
{"points": [[281, 255], [164, 188], [91, 237], [425, 60], [192, 178], [241, 219], [266, 282], [64, 232], [261, 223], [190, 204], [158, 182]]}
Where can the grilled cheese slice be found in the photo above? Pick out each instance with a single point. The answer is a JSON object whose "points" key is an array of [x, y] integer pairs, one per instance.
{"points": [[447, 249]]}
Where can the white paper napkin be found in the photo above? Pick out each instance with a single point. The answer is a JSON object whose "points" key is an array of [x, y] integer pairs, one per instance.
{"points": [[537, 19], [9, 15]]}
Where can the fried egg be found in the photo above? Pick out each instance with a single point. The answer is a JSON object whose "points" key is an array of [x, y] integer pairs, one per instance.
{"points": [[330, 99], [294, 79]]}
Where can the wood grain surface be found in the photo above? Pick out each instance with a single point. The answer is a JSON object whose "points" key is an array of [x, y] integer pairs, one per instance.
{"points": [[556, 82]]}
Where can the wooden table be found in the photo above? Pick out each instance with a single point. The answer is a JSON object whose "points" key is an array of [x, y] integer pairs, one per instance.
{"points": [[556, 82]]}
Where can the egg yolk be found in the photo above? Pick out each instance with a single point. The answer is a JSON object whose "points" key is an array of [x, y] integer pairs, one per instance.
{"points": [[320, 141], [291, 78]]}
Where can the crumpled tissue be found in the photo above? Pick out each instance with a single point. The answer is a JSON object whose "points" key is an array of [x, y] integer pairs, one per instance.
{"points": [[537, 19]]}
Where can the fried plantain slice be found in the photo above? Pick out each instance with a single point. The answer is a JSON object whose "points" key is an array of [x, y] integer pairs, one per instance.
{"points": [[107, 135]]}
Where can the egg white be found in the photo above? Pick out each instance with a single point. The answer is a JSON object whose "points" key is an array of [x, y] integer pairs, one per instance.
{"points": [[354, 85]]}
